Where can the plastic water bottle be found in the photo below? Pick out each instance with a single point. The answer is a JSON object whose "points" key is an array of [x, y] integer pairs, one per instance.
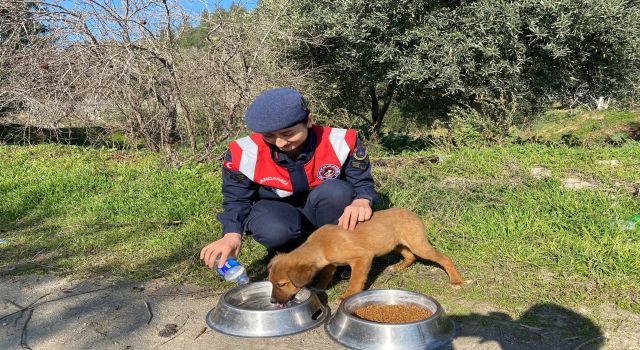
{"points": [[630, 224], [232, 271]]}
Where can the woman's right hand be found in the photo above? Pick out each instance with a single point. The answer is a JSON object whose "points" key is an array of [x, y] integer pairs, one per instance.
{"points": [[227, 246]]}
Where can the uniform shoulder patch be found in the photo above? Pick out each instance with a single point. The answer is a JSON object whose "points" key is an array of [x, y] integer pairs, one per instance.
{"points": [[360, 153], [359, 164]]}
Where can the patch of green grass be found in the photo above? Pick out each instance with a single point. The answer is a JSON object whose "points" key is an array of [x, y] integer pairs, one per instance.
{"points": [[523, 240], [517, 240], [83, 211], [585, 127]]}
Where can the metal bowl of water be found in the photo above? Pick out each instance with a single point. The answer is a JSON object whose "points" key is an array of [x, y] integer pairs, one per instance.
{"points": [[432, 332], [247, 311]]}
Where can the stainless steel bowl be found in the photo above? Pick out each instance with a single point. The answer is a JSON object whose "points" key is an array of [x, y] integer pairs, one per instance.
{"points": [[356, 333], [247, 311]]}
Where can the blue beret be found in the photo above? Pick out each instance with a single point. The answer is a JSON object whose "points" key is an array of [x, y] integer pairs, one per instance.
{"points": [[276, 109]]}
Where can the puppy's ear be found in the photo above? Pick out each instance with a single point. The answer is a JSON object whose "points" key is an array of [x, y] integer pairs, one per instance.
{"points": [[272, 261], [301, 275]]}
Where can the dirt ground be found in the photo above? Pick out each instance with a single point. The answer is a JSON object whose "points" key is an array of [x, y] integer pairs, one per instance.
{"points": [[46, 312]]}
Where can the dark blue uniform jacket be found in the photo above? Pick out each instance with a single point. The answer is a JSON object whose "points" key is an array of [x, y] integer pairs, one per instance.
{"points": [[240, 193]]}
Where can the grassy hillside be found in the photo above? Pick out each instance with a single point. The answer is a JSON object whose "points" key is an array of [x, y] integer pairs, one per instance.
{"points": [[585, 128], [510, 216]]}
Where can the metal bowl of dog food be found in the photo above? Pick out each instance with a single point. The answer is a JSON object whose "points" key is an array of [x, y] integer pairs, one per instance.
{"points": [[247, 311], [429, 328]]}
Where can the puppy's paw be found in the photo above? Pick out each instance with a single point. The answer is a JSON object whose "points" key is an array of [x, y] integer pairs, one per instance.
{"points": [[390, 269], [395, 268], [456, 284]]}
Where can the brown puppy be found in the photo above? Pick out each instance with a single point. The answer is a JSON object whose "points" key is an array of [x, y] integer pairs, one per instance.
{"points": [[331, 246]]}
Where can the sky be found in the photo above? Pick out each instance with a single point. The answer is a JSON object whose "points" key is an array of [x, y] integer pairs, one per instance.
{"points": [[193, 6], [196, 6]]}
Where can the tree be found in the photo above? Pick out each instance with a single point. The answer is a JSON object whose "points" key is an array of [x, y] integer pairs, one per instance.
{"points": [[499, 57], [136, 67], [18, 28], [359, 45], [17, 23]]}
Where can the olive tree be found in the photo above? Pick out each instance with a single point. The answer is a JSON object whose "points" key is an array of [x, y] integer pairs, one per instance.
{"points": [[499, 57]]}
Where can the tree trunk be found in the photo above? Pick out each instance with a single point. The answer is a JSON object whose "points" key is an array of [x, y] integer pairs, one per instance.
{"points": [[378, 111]]}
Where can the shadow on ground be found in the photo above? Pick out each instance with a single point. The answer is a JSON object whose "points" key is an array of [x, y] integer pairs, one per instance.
{"points": [[542, 326], [90, 136], [55, 313]]}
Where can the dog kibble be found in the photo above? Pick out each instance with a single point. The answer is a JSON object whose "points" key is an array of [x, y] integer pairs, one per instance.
{"points": [[392, 313]]}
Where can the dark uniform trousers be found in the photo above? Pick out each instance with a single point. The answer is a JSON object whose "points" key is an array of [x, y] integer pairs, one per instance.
{"points": [[279, 225]]}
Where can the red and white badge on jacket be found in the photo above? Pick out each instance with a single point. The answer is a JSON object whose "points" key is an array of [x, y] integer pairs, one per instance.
{"points": [[328, 171], [229, 165]]}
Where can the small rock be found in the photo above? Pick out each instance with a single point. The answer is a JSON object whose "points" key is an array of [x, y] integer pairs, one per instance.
{"points": [[540, 172], [576, 184], [612, 162]]}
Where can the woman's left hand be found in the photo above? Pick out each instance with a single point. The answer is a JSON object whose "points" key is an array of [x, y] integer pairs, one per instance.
{"points": [[358, 210]]}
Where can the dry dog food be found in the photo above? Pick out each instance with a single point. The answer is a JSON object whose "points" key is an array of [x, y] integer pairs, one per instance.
{"points": [[392, 313]]}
